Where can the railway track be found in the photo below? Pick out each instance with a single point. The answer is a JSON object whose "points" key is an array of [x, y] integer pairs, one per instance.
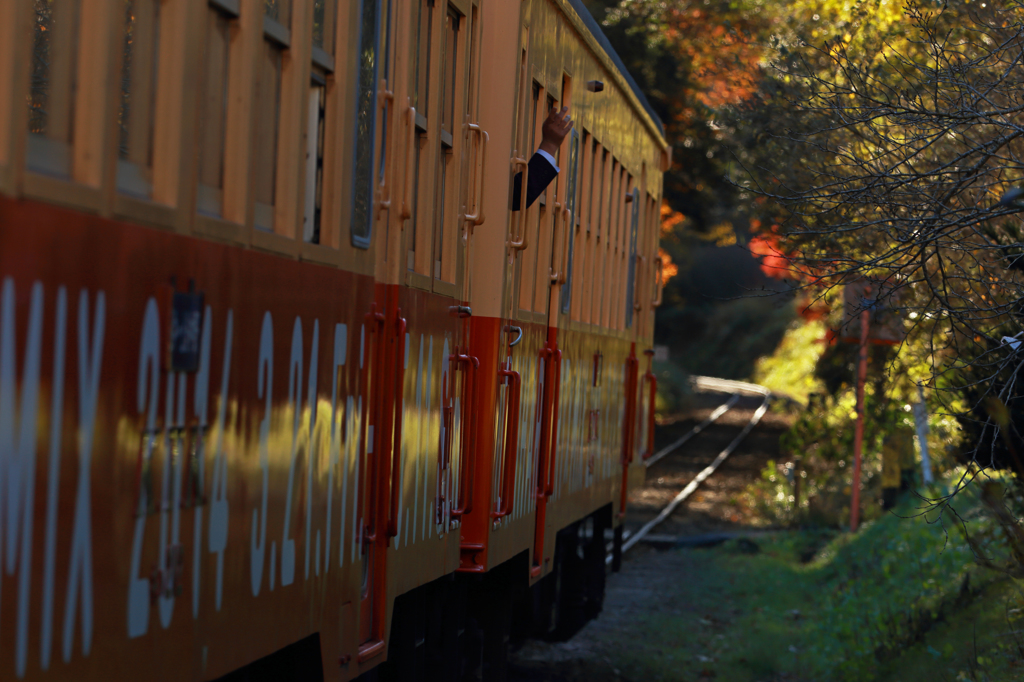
{"points": [[736, 389]]}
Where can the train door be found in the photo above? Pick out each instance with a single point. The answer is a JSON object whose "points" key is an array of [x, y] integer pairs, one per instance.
{"points": [[515, 335], [443, 205], [629, 426], [382, 336], [551, 282]]}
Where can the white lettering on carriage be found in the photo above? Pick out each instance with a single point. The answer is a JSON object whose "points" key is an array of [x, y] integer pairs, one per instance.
{"points": [[146, 397], [53, 484], [200, 405], [295, 400], [19, 412], [90, 357], [340, 349], [265, 389], [169, 552], [311, 449], [218, 539], [18, 450]]}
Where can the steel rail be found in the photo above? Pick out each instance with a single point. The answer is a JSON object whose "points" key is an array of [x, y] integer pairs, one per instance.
{"points": [[719, 411], [713, 384]]}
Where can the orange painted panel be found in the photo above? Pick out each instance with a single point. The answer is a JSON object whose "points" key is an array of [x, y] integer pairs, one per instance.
{"points": [[164, 524]]}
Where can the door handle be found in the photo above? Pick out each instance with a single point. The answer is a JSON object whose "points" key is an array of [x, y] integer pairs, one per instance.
{"points": [[556, 275], [520, 223], [511, 452], [374, 322], [636, 283], [509, 328], [556, 362], [384, 96], [478, 217], [467, 468]]}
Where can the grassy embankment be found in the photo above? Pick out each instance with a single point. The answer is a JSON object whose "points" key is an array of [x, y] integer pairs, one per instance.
{"points": [[901, 600]]}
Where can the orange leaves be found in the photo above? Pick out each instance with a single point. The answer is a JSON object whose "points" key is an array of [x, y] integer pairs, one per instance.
{"points": [[668, 268], [724, 63], [670, 219], [774, 262]]}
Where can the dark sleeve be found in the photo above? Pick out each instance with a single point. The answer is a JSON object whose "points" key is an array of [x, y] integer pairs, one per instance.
{"points": [[540, 176]]}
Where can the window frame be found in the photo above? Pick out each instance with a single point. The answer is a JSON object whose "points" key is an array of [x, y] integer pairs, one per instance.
{"points": [[358, 240], [572, 189]]}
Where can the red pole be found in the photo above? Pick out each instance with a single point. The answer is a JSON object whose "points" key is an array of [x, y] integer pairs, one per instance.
{"points": [[858, 432]]}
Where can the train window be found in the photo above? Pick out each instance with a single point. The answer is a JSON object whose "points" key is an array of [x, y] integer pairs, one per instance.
{"points": [[324, 12], [445, 214], [615, 204], [525, 224], [264, 148], [584, 252], [571, 192], [593, 217], [314, 159], [53, 86], [418, 258], [601, 176], [363, 182], [277, 11], [424, 41], [449, 64], [634, 224], [213, 116], [137, 108]]}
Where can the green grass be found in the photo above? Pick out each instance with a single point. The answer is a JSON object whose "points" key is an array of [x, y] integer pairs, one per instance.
{"points": [[901, 600]]}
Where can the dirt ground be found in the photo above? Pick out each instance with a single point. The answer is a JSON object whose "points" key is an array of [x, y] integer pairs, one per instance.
{"points": [[604, 649]]}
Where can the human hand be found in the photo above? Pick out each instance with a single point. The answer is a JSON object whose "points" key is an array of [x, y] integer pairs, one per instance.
{"points": [[556, 126]]}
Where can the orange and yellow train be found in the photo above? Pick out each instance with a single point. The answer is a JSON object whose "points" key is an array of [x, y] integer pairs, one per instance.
{"points": [[288, 390]]}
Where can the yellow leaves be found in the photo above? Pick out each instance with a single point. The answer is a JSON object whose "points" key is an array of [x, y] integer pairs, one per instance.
{"points": [[722, 234]]}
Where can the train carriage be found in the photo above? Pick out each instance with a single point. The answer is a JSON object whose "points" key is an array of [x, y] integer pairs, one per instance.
{"points": [[288, 387]]}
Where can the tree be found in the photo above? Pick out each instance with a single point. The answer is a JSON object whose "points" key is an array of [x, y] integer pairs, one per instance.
{"points": [[896, 141]]}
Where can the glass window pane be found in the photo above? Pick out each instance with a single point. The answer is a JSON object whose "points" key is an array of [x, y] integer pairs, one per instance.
{"points": [[449, 61], [278, 10], [138, 97], [571, 191], [424, 39], [213, 116], [323, 24], [366, 120], [314, 165], [53, 80], [268, 103]]}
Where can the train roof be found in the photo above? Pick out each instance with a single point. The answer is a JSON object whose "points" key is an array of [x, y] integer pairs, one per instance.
{"points": [[595, 30]]}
